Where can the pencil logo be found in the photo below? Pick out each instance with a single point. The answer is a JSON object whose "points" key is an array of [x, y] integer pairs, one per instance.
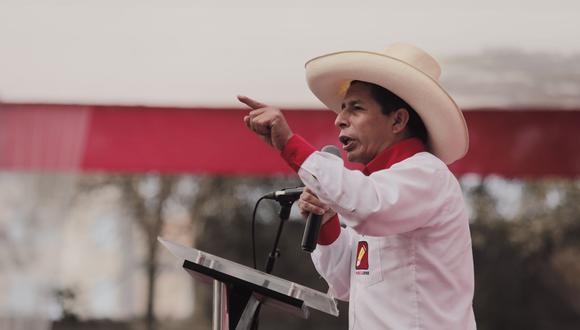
{"points": [[362, 255]]}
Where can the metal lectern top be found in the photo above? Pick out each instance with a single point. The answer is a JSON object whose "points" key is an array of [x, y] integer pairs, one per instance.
{"points": [[284, 291]]}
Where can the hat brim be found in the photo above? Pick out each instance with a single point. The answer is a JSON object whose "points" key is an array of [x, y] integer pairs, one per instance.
{"points": [[328, 77]]}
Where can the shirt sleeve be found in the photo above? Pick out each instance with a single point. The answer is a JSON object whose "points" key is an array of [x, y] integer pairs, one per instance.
{"points": [[296, 150], [391, 201], [329, 231], [333, 262]]}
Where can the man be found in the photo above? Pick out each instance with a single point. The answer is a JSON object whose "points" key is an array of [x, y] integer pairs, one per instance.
{"points": [[404, 259]]}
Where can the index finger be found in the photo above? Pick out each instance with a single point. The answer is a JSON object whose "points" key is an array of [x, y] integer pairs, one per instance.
{"points": [[250, 102], [308, 191]]}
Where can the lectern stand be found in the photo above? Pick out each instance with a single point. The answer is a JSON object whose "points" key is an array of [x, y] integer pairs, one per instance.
{"points": [[238, 290]]}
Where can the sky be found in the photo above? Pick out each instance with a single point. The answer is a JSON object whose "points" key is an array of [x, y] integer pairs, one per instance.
{"points": [[195, 53]]}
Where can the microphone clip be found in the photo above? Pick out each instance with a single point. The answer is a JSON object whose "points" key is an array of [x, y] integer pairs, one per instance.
{"points": [[287, 195]]}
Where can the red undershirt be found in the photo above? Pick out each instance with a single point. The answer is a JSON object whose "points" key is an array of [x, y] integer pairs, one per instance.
{"points": [[297, 149]]}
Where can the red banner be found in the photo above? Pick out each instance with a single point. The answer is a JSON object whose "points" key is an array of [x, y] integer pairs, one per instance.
{"points": [[512, 143]]}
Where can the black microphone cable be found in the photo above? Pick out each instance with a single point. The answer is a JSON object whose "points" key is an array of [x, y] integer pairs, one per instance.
{"points": [[254, 230]]}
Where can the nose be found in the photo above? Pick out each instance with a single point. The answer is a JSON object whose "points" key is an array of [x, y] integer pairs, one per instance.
{"points": [[341, 120]]}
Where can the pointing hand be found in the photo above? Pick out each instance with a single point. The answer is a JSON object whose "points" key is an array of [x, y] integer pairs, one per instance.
{"points": [[268, 122]]}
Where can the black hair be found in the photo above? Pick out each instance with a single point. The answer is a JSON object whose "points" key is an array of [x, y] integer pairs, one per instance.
{"points": [[390, 102]]}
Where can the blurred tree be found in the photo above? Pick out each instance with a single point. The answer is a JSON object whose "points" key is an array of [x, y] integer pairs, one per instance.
{"points": [[146, 205], [144, 198], [526, 274]]}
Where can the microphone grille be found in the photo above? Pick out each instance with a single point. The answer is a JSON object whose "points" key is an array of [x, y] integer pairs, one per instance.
{"points": [[331, 149]]}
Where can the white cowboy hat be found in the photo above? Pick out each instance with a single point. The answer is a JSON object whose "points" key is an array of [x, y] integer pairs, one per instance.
{"points": [[405, 70]]}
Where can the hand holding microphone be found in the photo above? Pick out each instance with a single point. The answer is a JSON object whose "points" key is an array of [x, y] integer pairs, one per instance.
{"points": [[319, 213], [316, 214], [310, 204]]}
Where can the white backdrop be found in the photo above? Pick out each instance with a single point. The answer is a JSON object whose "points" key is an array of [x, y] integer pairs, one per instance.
{"points": [[191, 53]]}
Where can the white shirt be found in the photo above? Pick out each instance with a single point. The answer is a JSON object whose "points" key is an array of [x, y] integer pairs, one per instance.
{"points": [[411, 222]]}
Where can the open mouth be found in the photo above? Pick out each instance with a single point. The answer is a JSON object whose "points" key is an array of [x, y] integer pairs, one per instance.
{"points": [[347, 142]]}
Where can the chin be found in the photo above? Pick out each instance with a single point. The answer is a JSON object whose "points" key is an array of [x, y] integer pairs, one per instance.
{"points": [[352, 157]]}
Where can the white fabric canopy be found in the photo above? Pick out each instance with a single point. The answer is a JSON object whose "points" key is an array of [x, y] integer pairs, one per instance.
{"points": [[179, 52]]}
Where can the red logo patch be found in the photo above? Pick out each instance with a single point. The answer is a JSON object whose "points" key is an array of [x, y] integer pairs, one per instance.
{"points": [[362, 256]]}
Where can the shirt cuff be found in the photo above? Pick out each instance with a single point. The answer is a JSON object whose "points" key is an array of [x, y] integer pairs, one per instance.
{"points": [[329, 231], [296, 151]]}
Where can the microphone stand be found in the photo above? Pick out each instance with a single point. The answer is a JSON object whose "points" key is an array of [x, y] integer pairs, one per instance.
{"points": [[285, 208]]}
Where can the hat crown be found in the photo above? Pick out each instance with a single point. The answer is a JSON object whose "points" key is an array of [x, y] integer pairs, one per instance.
{"points": [[415, 57], [407, 72]]}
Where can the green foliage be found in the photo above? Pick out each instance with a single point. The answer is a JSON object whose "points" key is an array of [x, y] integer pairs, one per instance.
{"points": [[527, 270]]}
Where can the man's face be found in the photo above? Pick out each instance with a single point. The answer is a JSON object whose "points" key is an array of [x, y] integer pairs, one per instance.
{"points": [[364, 130]]}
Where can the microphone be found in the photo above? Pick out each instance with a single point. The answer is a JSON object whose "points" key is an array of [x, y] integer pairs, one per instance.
{"points": [[314, 221], [285, 195]]}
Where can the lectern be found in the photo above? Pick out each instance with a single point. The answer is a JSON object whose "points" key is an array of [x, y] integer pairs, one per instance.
{"points": [[239, 290]]}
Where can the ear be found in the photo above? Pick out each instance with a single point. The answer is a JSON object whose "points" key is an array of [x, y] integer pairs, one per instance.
{"points": [[400, 120]]}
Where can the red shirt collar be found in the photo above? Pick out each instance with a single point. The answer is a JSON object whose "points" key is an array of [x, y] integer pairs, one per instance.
{"points": [[394, 154]]}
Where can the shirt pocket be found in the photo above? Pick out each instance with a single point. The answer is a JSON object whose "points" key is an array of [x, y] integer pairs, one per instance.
{"points": [[389, 257], [367, 262]]}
